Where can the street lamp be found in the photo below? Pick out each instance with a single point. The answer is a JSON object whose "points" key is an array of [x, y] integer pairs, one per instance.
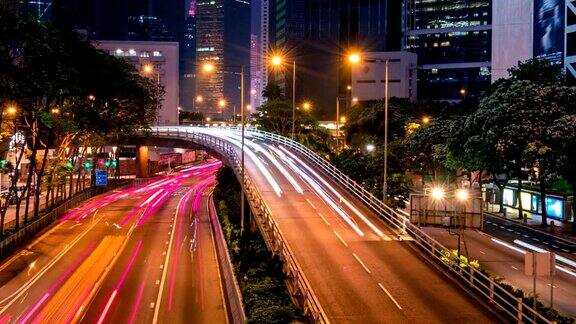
{"points": [[209, 67], [277, 61], [355, 100], [425, 120], [306, 105], [199, 99], [462, 195], [437, 193], [11, 110], [355, 58]]}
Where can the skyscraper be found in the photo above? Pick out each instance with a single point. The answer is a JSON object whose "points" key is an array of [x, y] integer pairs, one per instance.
{"points": [[453, 43], [188, 58], [223, 40], [209, 49], [318, 34]]}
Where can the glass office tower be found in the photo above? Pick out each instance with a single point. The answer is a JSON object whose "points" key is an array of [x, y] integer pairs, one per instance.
{"points": [[453, 41]]}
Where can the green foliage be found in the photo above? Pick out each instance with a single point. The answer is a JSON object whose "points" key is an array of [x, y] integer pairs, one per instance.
{"points": [[190, 116], [259, 273]]}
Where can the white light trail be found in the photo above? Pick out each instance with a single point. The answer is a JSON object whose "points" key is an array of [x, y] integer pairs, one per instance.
{"points": [[337, 194]]}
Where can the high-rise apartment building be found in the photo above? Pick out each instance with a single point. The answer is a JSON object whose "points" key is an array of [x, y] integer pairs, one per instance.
{"points": [[570, 41], [318, 34], [453, 41], [188, 59]]}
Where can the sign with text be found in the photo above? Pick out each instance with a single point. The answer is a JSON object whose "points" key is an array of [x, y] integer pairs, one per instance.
{"points": [[101, 177]]}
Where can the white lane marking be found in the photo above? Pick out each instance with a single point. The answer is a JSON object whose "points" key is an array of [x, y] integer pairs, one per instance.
{"points": [[389, 295], [509, 229], [310, 203], [482, 252], [525, 235], [554, 286], [324, 219], [165, 266], [554, 246], [361, 263], [545, 243], [518, 233], [513, 267], [565, 250], [535, 239], [340, 238]]}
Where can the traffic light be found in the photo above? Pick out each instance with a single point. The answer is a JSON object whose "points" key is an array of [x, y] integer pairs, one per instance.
{"points": [[114, 163], [3, 164], [88, 165], [69, 165], [107, 163]]}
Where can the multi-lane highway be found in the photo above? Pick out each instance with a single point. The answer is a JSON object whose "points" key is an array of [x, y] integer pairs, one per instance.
{"points": [[357, 267], [142, 254]]}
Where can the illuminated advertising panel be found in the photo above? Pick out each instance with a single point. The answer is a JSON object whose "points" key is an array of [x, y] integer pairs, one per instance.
{"points": [[549, 30]]}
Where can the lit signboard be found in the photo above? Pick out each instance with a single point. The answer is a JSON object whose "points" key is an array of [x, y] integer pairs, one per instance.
{"points": [[549, 30]]}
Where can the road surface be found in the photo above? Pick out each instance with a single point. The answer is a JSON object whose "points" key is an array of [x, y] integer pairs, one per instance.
{"points": [[507, 262], [358, 269], [142, 254]]}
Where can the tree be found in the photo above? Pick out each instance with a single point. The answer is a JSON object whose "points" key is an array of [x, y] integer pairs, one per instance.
{"points": [[273, 92]]}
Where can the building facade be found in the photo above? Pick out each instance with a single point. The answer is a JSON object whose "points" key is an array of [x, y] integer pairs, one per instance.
{"points": [[163, 58], [318, 35], [209, 49], [544, 29], [368, 77], [453, 42]]}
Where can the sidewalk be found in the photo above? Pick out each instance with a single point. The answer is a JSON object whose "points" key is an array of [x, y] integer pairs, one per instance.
{"points": [[560, 229]]}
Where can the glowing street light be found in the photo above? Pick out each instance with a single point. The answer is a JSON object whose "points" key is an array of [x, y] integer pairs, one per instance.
{"points": [[343, 119], [208, 119], [276, 60], [208, 67], [199, 99], [348, 87], [306, 105], [462, 92], [55, 110], [370, 147], [11, 110], [91, 97], [355, 100], [221, 103], [354, 58], [462, 194], [148, 68], [425, 120], [437, 193]]}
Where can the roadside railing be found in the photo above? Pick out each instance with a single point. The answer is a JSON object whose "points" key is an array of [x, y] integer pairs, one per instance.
{"points": [[512, 305], [298, 285], [232, 293], [10, 243]]}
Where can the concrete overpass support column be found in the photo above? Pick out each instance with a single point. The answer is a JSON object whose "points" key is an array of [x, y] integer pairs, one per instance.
{"points": [[142, 162]]}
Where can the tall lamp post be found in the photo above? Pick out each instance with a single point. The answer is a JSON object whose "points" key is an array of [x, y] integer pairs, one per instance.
{"points": [[356, 58], [149, 69], [277, 61], [209, 68]]}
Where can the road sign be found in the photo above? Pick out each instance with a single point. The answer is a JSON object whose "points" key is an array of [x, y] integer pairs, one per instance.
{"points": [[101, 177]]}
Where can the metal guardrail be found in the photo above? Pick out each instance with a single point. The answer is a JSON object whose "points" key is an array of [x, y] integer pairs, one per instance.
{"points": [[16, 240], [478, 281], [299, 287], [235, 307]]}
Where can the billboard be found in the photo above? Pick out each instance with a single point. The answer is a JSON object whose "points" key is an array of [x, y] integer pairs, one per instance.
{"points": [[549, 30]]}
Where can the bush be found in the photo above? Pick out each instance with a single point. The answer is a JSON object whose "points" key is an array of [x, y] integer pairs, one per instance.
{"points": [[259, 273]]}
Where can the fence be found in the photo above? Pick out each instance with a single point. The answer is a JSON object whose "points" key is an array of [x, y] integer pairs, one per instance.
{"points": [[16, 240], [231, 289], [477, 281], [298, 285]]}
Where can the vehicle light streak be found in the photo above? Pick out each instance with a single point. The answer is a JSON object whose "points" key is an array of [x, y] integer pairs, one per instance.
{"points": [[267, 175], [320, 192], [58, 282], [537, 249], [136, 303], [120, 282], [336, 193], [512, 247], [258, 148]]}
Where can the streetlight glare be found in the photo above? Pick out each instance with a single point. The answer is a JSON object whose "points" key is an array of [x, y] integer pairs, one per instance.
{"points": [[370, 147], [348, 87], [354, 58], [221, 103], [438, 193], [276, 60], [343, 119], [207, 67], [148, 68], [248, 107], [11, 110], [462, 91], [462, 194], [306, 105], [425, 120], [355, 100], [199, 99]]}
